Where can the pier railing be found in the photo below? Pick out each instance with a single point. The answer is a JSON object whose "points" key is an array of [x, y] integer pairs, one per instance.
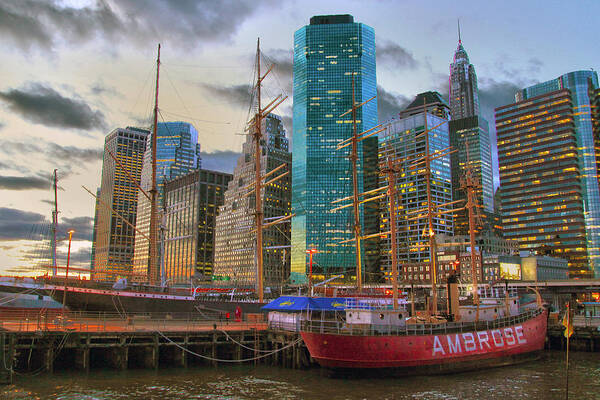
{"points": [[343, 328], [53, 320]]}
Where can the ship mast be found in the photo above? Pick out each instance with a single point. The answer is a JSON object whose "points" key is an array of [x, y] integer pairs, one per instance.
{"points": [[430, 230], [356, 196], [354, 161], [54, 226], [470, 185], [259, 212], [152, 270], [255, 124], [390, 171]]}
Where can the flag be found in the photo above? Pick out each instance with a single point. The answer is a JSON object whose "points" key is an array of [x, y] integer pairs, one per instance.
{"points": [[567, 323]]}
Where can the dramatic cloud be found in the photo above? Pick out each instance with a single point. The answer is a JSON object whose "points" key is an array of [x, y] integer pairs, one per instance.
{"points": [[61, 157], [388, 104], [18, 224], [238, 95], [83, 227], [24, 225], [283, 61], [224, 161], [395, 56], [494, 94], [24, 183], [43, 24], [43, 105]]}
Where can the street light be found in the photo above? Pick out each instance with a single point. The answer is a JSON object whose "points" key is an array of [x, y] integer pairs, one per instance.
{"points": [[67, 271], [310, 253]]}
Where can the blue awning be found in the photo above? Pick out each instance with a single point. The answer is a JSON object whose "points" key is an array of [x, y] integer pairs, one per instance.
{"points": [[288, 303], [297, 303]]}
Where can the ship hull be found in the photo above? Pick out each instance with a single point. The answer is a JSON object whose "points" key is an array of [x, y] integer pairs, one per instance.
{"points": [[441, 353], [103, 300]]}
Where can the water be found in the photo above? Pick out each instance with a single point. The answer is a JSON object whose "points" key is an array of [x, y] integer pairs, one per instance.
{"points": [[544, 379]]}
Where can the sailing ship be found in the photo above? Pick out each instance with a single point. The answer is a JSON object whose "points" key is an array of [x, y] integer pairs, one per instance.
{"points": [[488, 332], [126, 298]]}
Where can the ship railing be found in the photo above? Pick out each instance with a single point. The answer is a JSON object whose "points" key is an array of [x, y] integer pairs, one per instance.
{"points": [[343, 328]]}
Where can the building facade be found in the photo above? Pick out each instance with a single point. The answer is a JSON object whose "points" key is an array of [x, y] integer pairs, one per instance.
{"points": [[403, 140], [579, 83], [329, 54], [191, 207], [541, 186], [178, 153], [235, 238], [114, 239]]}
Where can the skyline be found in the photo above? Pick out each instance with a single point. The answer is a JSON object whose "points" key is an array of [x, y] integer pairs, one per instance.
{"points": [[70, 78]]}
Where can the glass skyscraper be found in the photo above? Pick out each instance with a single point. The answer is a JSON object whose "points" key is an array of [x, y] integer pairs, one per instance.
{"points": [[577, 83], [328, 53], [192, 203], [178, 153], [404, 140], [113, 238]]}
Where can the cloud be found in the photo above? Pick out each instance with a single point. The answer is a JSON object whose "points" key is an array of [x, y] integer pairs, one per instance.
{"points": [[42, 25], [395, 56], [389, 104], [43, 105], [62, 157], [24, 183], [494, 93], [99, 88], [19, 225], [283, 68], [238, 95], [83, 227], [220, 160]]}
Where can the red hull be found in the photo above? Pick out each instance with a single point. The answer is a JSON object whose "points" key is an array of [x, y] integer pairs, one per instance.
{"points": [[443, 352]]}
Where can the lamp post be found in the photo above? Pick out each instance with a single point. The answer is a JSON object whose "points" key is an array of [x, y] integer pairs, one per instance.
{"points": [[310, 253], [67, 270]]}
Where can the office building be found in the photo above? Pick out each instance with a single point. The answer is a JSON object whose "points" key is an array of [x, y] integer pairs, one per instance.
{"points": [[192, 203], [329, 54], [542, 191], [178, 153], [403, 141], [235, 238], [113, 246]]}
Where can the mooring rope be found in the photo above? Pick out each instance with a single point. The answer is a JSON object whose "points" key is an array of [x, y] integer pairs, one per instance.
{"points": [[229, 361], [241, 344]]}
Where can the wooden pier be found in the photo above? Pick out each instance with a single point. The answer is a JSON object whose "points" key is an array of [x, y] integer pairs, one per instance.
{"points": [[35, 346]]}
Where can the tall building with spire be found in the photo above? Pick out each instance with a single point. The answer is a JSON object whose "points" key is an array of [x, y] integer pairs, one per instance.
{"points": [[464, 96], [330, 54], [469, 136]]}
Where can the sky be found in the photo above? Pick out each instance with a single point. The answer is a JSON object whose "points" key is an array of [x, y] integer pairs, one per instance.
{"points": [[72, 71]]}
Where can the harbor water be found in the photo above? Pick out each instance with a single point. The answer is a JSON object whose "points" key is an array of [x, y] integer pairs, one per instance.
{"points": [[543, 379]]}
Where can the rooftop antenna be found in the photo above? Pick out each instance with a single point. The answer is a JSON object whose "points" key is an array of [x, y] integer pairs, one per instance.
{"points": [[459, 40]]}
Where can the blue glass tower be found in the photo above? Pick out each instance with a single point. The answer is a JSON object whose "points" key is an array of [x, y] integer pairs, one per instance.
{"points": [[178, 153], [328, 53], [577, 83]]}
